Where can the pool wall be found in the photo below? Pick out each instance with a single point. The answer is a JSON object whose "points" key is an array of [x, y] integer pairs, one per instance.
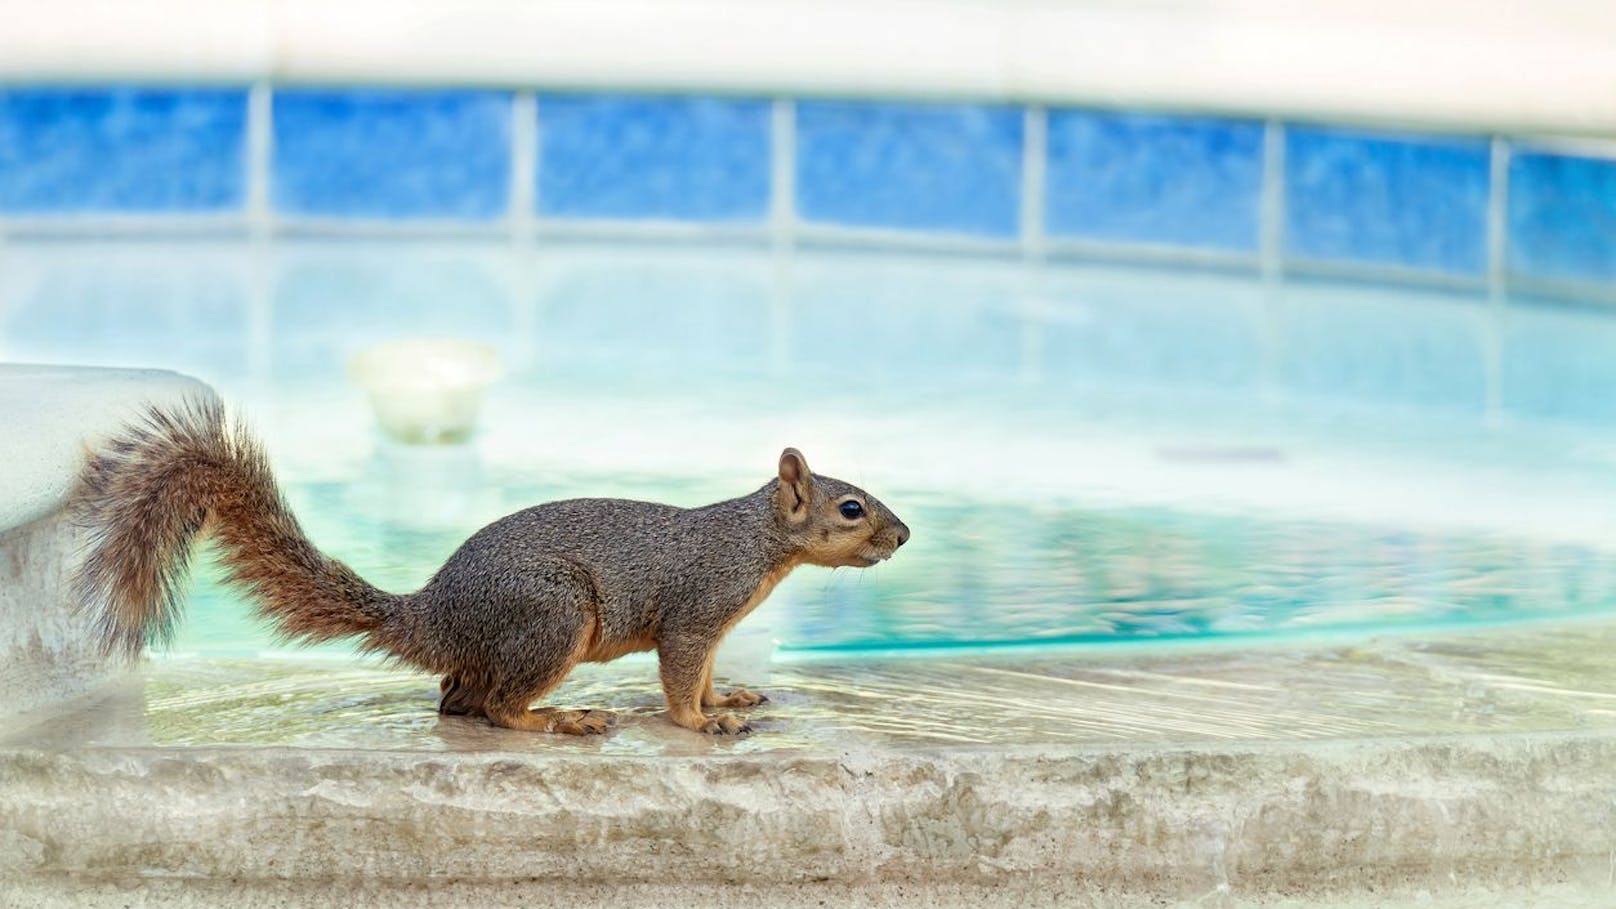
{"points": [[1469, 210]]}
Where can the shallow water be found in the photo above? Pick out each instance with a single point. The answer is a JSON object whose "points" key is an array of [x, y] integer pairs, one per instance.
{"points": [[1086, 453], [1546, 679], [989, 573]]}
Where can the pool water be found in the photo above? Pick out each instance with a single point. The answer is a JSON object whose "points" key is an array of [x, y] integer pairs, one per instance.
{"points": [[985, 572], [1087, 454]]}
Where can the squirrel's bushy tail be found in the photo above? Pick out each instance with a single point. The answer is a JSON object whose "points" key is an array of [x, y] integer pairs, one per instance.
{"points": [[182, 469]]}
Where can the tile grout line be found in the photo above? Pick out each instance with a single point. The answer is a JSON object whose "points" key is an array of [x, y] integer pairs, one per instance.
{"points": [[1034, 175], [1270, 253], [260, 151], [783, 169], [521, 214], [782, 228], [1497, 212], [260, 231], [522, 226], [1497, 278], [1271, 206]]}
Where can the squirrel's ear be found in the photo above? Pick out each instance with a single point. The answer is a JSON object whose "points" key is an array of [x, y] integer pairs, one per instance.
{"points": [[796, 484]]}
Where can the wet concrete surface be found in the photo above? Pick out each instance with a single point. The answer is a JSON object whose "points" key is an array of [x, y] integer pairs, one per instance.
{"points": [[1433, 768]]}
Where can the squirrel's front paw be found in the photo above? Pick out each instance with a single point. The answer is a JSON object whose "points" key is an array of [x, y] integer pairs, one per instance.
{"points": [[724, 724], [740, 697]]}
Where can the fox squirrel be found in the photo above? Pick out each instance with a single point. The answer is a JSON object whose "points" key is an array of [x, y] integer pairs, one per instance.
{"points": [[512, 611]]}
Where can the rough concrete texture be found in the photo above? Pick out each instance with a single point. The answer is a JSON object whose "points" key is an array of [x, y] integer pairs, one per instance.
{"points": [[1447, 773], [46, 654], [1020, 891], [50, 414]]}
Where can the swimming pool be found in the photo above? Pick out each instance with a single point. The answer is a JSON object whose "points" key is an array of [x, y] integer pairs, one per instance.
{"points": [[1089, 453], [1263, 406]]}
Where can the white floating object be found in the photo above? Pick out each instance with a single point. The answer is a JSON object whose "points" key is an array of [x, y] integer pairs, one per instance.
{"points": [[426, 391]]}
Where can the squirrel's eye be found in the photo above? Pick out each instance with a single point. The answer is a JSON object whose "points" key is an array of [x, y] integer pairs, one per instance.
{"points": [[852, 510]]}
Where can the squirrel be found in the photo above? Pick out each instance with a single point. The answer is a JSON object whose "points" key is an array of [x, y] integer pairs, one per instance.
{"points": [[511, 612]]}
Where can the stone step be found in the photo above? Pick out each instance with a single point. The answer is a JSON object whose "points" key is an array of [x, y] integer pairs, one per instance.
{"points": [[1453, 768]]}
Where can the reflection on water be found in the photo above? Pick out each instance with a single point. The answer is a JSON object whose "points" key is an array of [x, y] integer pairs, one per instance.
{"points": [[1085, 452], [989, 572]]}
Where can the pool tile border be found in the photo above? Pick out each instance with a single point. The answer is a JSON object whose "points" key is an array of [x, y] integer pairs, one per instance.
{"points": [[1473, 211]]}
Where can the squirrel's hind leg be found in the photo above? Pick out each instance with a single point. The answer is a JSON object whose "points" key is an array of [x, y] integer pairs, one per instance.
{"points": [[467, 695], [549, 719], [462, 694], [549, 635], [507, 706]]}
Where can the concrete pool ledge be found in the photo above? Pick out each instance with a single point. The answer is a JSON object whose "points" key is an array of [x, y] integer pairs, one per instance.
{"points": [[1468, 770], [48, 416]]}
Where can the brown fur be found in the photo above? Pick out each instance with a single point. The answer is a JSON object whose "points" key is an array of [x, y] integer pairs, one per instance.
{"points": [[512, 611], [605, 652], [146, 495]]}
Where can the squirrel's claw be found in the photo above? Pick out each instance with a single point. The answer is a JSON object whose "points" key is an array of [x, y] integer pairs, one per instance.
{"points": [[724, 724], [740, 697]]}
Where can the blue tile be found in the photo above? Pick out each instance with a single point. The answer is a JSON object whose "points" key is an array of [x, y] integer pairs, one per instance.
{"points": [[1410, 202], [392, 153], [696, 159], [122, 150], [949, 168], [1562, 217], [1129, 178]]}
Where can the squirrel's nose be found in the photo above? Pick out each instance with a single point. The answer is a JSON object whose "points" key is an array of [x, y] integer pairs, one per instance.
{"points": [[903, 534]]}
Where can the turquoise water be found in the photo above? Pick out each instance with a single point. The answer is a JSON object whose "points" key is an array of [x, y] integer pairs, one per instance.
{"points": [[981, 572], [1085, 453]]}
